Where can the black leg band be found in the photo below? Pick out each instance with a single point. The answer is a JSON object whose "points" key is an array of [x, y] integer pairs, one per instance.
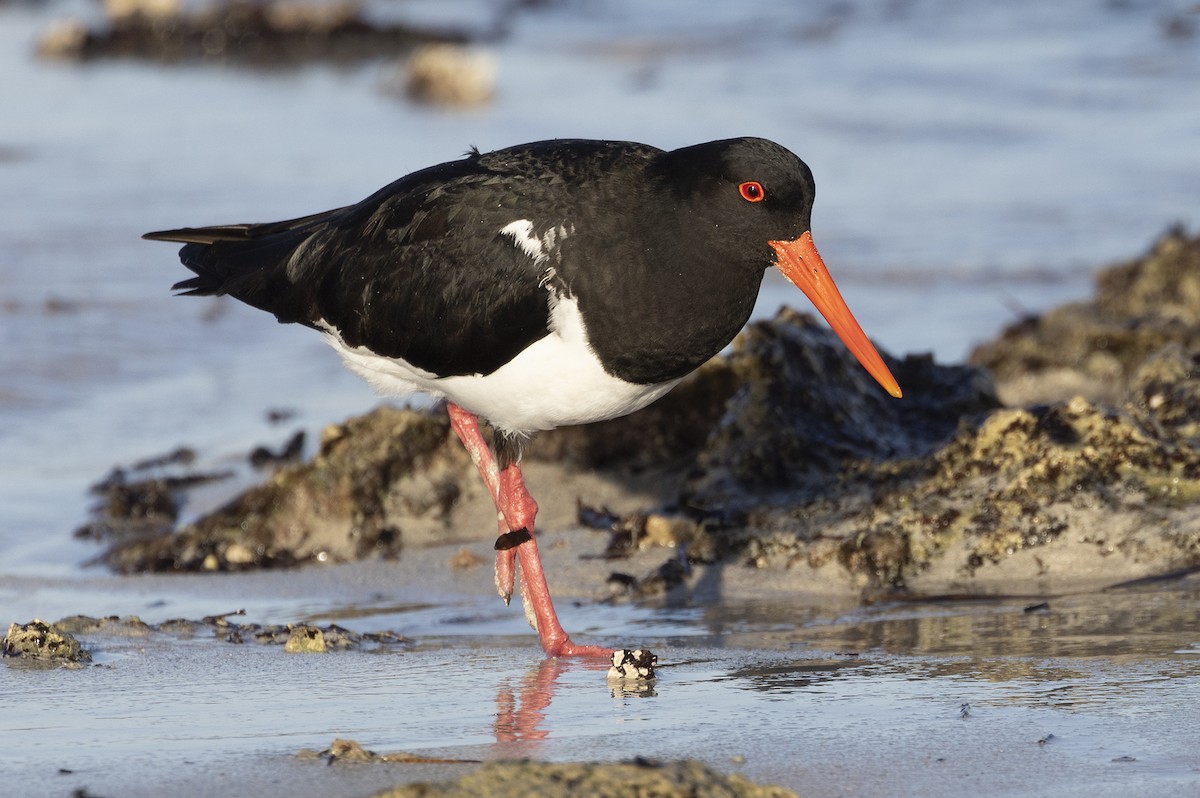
{"points": [[510, 540]]}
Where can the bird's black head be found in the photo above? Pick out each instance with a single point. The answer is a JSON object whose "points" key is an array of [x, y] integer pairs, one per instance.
{"points": [[749, 190], [745, 204]]}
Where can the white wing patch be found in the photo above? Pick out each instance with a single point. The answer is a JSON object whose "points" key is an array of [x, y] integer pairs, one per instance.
{"points": [[542, 251], [522, 235]]}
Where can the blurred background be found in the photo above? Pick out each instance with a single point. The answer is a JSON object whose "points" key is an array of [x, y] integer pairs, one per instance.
{"points": [[975, 162]]}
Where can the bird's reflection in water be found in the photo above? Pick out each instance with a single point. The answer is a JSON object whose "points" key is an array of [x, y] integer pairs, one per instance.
{"points": [[521, 711]]}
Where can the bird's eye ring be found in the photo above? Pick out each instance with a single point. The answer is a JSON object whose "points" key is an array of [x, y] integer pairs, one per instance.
{"points": [[752, 191]]}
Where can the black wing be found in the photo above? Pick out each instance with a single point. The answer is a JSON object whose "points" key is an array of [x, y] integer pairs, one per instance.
{"points": [[418, 270]]}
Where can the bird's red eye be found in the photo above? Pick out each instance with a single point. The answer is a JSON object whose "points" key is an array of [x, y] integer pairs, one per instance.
{"points": [[752, 191]]}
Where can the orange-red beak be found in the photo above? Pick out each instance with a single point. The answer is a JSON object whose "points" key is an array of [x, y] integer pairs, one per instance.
{"points": [[802, 265]]}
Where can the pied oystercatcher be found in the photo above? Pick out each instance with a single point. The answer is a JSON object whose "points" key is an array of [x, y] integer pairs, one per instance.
{"points": [[553, 283]]}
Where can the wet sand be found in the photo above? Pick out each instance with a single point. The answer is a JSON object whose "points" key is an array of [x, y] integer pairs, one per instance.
{"points": [[1091, 694]]}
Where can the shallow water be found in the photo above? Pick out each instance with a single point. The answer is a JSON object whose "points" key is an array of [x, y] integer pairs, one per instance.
{"points": [[974, 161], [1091, 695]]}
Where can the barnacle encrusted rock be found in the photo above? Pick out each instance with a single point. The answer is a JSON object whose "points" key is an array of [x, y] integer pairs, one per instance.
{"points": [[42, 641], [1094, 348], [371, 474], [1049, 497], [805, 408]]}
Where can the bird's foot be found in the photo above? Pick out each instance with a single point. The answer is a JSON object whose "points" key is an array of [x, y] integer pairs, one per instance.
{"points": [[566, 648], [630, 670]]}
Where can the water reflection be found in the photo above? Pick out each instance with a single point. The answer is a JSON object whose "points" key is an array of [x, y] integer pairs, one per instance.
{"points": [[521, 708], [521, 713], [1147, 621], [796, 676]]}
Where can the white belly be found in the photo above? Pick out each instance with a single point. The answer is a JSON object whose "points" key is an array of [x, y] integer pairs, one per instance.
{"points": [[556, 381]]}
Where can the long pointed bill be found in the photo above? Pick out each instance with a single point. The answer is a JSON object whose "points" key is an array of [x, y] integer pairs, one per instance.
{"points": [[802, 265]]}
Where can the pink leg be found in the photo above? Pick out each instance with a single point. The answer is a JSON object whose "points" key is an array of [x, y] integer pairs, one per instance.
{"points": [[517, 511], [466, 426]]}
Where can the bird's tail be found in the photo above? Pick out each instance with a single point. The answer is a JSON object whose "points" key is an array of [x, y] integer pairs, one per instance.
{"points": [[246, 261]]}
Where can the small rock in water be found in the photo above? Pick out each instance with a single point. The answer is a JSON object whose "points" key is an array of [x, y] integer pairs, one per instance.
{"points": [[632, 665], [306, 640], [63, 40], [450, 75], [348, 751], [147, 9], [40, 640]]}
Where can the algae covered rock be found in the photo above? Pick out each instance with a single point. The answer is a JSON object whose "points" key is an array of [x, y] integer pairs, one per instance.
{"points": [[1068, 495], [640, 779], [39, 640], [805, 408], [56, 640], [306, 640], [369, 476], [1094, 348]]}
